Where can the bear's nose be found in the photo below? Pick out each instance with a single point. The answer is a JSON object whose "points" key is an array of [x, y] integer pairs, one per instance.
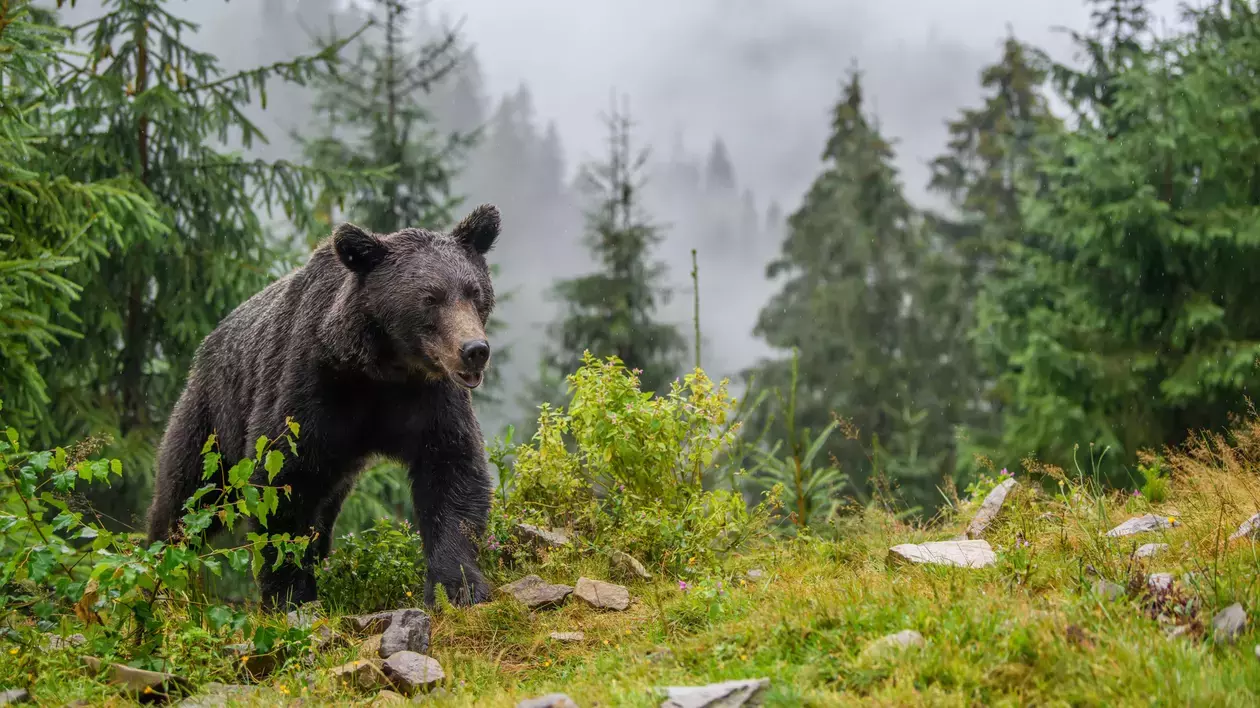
{"points": [[475, 353]]}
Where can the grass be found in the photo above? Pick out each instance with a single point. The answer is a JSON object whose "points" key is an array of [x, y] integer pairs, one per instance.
{"points": [[1027, 631]]}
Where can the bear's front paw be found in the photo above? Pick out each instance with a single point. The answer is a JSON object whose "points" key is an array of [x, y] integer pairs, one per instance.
{"points": [[459, 591]]}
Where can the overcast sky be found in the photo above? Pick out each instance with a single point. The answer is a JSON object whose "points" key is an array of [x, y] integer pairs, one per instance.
{"points": [[761, 73]]}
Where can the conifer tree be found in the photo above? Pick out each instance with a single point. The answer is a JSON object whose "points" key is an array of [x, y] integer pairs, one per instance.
{"points": [[142, 104], [145, 105], [613, 311], [853, 303], [49, 223]]}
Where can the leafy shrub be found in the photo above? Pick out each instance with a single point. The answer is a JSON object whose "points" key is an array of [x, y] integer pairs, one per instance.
{"points": [[624, 470], [54, 561], [372, 570], [1154, 480]]}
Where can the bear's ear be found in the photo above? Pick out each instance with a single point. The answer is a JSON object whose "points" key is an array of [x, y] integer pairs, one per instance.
{"points": [[358, 250], [479, 229]]}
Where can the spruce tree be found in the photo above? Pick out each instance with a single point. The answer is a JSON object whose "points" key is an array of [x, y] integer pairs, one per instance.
{"points": [[377, 120], [612, 312], [853, 303], [145, 106], [49, 222], [989, 165]]}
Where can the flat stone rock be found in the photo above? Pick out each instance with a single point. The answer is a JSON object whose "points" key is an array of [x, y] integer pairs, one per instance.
{"points": [[1150, 549], [1229, 623], [411, 672], [535, 593], [551, 700], [904, 639], [147, 686], [660, 654], [361, 674], [989, 509], [1160, 582], [964, 554], [407, 631], [602, 595], [1249, 529], [217, 695], [542, 537], [728, 694], [14, 696], [1142, 524], [628, 566], [56, 642], [568, 637], [363, 625], [1108, 590], [755, 574]]}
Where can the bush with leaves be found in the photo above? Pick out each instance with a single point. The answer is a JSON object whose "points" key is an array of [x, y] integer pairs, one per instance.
{"points": [[372, 570], [623, 469], [55, 560]]}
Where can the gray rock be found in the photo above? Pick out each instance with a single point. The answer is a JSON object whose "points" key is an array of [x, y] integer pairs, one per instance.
{"points": [[628, 566], [1178, 631], [361, 674], [989, 509], [964, 554], [568, 637], [1160, 582], [1108, 590], [216, 695], [1258, 651], [728, 694], [1149, 550], [904, 639], [554, 538], [1142, 524], [375, 623], [755, 574], [407, 631], [602, 595], [535, 593], [411, 672], [1249, 528], [55, 642], [305, 615], [551, 700], [1229, 623], [13, 696]]}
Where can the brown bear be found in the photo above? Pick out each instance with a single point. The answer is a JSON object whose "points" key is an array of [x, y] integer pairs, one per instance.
{"points": [[373, 347]]}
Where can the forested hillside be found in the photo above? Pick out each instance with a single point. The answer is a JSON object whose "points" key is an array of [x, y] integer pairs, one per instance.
{"points": [[1072, 323]]}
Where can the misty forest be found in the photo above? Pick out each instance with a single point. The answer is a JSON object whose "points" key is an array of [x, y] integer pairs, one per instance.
{"points": [[939, 394]]}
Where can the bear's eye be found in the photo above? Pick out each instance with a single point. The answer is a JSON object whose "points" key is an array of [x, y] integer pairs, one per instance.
{"points": [[472, 292], [428, 300]]}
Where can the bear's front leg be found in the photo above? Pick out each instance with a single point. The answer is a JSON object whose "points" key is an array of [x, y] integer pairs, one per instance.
{"points": [[451, 490]]}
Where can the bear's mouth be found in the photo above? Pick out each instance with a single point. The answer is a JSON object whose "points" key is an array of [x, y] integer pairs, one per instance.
{"points": [[469, 379]]}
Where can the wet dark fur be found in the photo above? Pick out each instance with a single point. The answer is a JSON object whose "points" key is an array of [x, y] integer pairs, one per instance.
{"points": [[356, 346]]}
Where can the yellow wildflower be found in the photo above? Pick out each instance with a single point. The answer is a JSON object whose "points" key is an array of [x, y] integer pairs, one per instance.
{"points": [[408, 593], [13, 651], [1171, 520]]}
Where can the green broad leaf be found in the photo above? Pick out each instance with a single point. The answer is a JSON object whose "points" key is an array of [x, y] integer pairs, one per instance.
{"points": [[293, 427], [210, 443], [241, 473], [115, 466], [259, 446], [39, 461], [275, 460], [220, 616]]}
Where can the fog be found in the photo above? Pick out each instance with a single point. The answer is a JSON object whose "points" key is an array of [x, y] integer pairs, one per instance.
{"points": [[761, 75]]}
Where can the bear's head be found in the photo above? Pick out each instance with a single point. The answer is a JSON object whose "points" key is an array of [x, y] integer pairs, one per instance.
{"points": [[428, 295]]}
